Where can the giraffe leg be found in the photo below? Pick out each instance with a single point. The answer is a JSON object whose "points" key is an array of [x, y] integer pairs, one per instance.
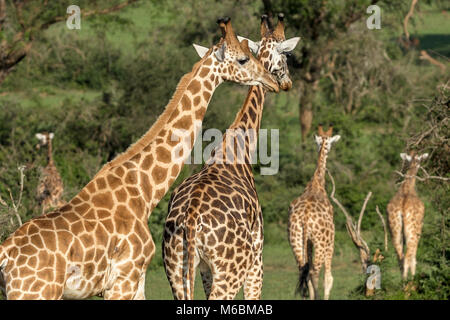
{"points": [[328, 281], [312, 288], [227, 284], [149, 252], [126, 284], [207, 279], [129, 282], [411, 249], [395, 225], [419, 225], [224, 287], [254, 279], [318, 261], [253, 282]]}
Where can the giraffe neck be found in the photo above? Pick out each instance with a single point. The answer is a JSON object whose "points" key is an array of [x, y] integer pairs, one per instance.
{"points": [[49, 152], [148, 168], [246, 125], [409, 184], [250, 114], [318, 179]]}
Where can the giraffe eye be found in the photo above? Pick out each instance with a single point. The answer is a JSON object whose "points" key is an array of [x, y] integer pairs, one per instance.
{"points": [[243, 61]]}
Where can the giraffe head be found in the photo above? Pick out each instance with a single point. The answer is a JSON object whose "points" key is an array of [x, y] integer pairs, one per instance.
{"points": [[233, 61], [413, 159], [273, 49], [44, 138], [325, 139]]}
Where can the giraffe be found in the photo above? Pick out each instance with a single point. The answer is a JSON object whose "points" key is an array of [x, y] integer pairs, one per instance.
{"points": [[311, 224], [214, 218], [50, 187], [99, 243], [405, 215]]}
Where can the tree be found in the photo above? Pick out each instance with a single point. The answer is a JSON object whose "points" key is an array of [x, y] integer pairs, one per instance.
{"points": [[22, 22], [321, 24]]}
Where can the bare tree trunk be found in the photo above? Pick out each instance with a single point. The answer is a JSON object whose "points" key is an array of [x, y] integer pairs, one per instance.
{"points": [[307, 94]]}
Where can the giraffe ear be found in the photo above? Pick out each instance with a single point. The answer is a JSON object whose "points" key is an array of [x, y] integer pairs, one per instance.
{"points": [[220, 52], [335, 138], [40, 136], [288, 45], [254, 46], [405, 157], [201, 51], [318, 140], [423, 157], [51, 135]]}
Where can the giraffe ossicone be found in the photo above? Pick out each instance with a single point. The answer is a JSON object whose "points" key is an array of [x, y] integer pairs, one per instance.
{"points": [[99, 243]]}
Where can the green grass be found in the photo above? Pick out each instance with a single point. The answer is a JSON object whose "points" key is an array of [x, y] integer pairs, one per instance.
{"points": [[49, 97], [280, 273]]}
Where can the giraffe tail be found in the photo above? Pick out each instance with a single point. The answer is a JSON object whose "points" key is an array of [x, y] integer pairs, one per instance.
{"points": [[189, 232], [304, 269], [3, 258]]}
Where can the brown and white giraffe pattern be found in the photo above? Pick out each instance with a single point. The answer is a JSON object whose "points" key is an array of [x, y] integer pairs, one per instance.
{"points": [[99, 243], [214, 218], [311, 225], [50, 187], [405, 216]]}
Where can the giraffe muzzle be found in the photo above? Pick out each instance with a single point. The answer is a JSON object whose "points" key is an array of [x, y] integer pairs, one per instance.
{"points": [[286, 84], [270, 84]]}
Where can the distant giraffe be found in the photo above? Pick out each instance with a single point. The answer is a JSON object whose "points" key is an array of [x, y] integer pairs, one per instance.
{"points": [[311, 224], [215, 219], [405, 216], [50, 187], [100, 243]]}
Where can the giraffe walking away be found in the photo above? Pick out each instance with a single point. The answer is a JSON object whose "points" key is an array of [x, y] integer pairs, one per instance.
{"points": [[311, 225], [50, 187], [214, 219], [405, 216], [99, 243]]}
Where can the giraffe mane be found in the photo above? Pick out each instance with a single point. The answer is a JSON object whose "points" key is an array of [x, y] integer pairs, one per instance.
{"points": [[159, 124]]}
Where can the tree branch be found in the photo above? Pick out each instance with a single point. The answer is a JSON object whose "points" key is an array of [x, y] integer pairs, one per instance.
{"points": [[361, 214], [406, 20], [352, 229], [384, 228], [425, 56]]}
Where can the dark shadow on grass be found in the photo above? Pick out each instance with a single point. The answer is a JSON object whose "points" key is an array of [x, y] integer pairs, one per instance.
{"points": [[435, 43]]}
